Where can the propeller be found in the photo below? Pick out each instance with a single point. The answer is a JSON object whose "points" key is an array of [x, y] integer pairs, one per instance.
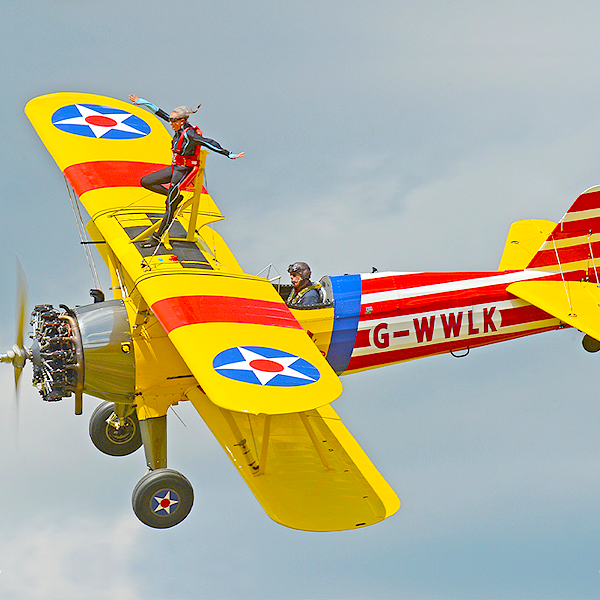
{"points": [[18, 354]]}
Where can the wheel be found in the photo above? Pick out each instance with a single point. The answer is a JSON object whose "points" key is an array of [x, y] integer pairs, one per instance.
{"points": [[109, 439], [590, 344], [162, 498]]}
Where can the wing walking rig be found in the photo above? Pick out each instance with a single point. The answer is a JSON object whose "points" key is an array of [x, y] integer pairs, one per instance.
{"points": [[187, 324]]}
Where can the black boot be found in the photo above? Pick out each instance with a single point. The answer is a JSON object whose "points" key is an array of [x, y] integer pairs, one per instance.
{"points": [[151, 242]]}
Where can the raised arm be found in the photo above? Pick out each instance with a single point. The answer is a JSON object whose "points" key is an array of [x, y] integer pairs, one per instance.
{"points": [[159, 112]]}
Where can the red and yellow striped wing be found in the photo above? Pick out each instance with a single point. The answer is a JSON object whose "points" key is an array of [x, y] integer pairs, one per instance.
{"points": [[233, 330], [241, 342]]}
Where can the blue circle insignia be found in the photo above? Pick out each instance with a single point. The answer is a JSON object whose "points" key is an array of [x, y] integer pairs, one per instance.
{"points": [[265, 366], [165, 502], [97, 121]]}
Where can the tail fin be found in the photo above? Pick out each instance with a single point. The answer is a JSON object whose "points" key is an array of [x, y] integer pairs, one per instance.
{"points": [[523, 241], [574, 243]]}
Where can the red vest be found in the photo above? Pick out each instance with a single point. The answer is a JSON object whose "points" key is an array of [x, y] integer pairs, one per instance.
{"points": [[186, 161]]}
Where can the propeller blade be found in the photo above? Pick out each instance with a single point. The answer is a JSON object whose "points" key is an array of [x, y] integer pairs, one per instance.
{"points": [[21, 302], [22, 293]]}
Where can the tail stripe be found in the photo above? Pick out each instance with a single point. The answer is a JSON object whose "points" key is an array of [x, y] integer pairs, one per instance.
{"points": [[574, 243]]}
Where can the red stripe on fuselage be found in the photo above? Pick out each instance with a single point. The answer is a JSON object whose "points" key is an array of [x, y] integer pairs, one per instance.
{"points": [[88, 176], [520, 315], [190, 310], [433, 302], [402, 281], [379, 359]]}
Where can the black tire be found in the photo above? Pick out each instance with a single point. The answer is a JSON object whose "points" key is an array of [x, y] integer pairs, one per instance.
{"points": [[162, 498], [590, 344], [114, 442]]}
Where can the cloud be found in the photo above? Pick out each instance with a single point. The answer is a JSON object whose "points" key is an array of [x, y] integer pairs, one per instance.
{"points": [[77, 558]]}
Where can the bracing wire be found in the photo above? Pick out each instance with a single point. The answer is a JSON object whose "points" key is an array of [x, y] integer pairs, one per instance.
{"points": [[562, 275], [593, 259], [82, 235]]}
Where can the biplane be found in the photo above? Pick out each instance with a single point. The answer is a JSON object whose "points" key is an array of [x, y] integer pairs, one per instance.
{"points": [[186, 323]]}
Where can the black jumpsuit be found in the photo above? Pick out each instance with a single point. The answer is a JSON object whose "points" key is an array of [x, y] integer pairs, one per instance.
{"points": [[175, 174]]}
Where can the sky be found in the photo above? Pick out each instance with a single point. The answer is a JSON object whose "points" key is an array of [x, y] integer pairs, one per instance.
{"points": [[401, 135]]}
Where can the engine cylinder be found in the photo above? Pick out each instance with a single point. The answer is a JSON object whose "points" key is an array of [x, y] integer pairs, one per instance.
{"points": [[88, 348]]}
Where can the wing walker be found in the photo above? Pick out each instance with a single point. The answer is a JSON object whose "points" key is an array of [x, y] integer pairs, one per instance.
{"points": [[186, 323]]}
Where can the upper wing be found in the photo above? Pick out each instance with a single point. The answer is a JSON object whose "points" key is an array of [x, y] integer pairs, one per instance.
{"points": [[576, 303], [98, 141], [233, 330], [103, 144]]}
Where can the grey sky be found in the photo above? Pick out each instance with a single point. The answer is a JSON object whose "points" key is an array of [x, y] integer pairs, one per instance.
{"points": [[401, 135]]}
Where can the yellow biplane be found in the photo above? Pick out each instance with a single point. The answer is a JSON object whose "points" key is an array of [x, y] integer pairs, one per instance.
{"points": [[187, 324]]}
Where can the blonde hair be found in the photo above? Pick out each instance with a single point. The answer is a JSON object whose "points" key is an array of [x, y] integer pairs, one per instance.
{"points": [[185, 111]]}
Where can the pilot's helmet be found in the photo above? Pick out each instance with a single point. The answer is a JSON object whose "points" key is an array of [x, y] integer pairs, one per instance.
{"points": [[301, 268]]}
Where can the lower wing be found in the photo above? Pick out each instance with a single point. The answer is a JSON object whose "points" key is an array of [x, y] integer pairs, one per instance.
{"points": [[305, 469]]}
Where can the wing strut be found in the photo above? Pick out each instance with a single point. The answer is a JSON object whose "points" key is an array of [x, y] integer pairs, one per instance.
{"points": [[314, 440], [262, 461], [195, 176], [242, 443]]}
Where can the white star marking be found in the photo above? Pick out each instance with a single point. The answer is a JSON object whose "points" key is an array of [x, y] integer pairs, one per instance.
{"points": [[162, 505], [100, 130], [265, 376]]}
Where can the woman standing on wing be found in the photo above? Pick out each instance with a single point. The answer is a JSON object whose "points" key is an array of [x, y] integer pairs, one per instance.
{"points": [[186, 145]]}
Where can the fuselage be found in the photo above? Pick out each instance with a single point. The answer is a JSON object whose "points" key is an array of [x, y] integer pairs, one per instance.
{"points": [[384, 318]]}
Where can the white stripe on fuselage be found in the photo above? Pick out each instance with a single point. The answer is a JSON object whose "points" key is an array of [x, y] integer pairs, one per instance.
{"points": [[452, 286]]}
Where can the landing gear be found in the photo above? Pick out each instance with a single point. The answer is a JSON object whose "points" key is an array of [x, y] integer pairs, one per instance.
{"points": [[110, 439], [162, 498]]}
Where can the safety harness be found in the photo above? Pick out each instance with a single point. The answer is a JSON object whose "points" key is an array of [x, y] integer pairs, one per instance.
{"points": [[294, 297], [179, 159]]}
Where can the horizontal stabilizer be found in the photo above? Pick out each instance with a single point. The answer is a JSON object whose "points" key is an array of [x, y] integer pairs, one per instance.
{"points": [[576, 303], [305, 469]]}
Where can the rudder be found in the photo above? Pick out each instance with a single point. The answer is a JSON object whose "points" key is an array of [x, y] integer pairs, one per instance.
{"points": [[574, 244]]}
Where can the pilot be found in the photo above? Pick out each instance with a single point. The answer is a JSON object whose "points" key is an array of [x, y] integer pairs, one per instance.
{"points": [[305, 292], [186, 148]]}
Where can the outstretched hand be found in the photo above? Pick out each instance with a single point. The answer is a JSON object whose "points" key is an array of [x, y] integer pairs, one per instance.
{"points": [[232, 155], [133, 98]]}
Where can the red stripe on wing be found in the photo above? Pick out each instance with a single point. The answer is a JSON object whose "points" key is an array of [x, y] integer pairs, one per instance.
{"points": [[190, 310], [84, 177]]}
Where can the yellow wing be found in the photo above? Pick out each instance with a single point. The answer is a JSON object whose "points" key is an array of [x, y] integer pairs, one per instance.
{"points": [[240, 341], [234, 332], [305, 469]]}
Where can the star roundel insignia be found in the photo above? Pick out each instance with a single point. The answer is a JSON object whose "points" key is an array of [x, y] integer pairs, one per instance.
{"points": [[96, 121], [265, 366], [165, 502]]}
